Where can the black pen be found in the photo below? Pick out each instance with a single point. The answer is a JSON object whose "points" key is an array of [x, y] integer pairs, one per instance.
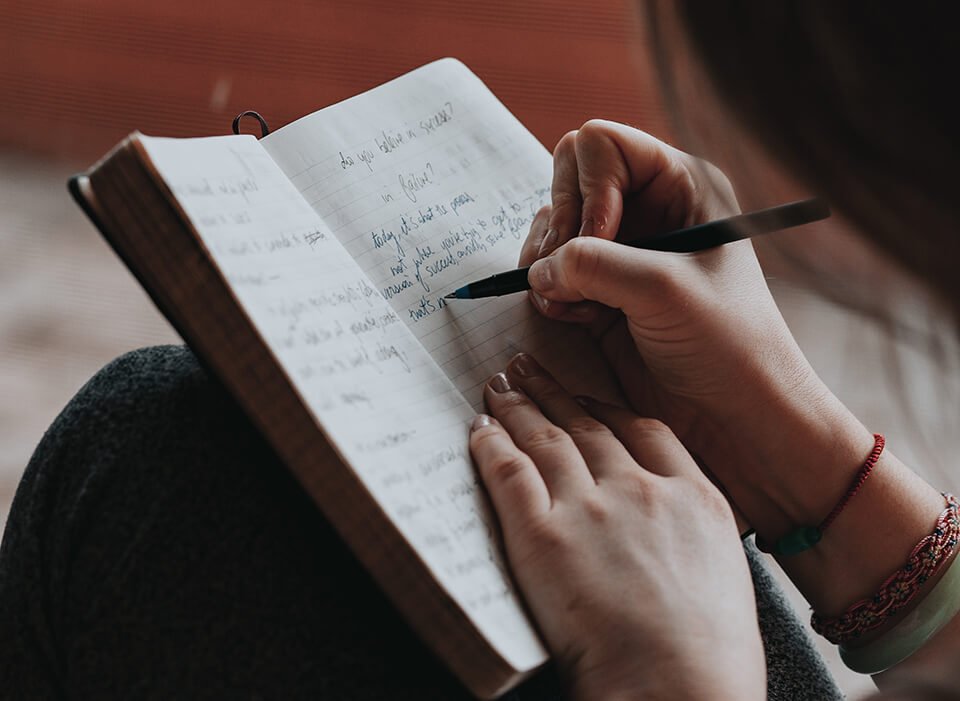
{"points": [[689, 240]]}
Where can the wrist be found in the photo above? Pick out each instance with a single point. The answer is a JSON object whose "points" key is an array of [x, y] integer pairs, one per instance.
{"points": [[785, 450], [784, 456], [789, 466]]}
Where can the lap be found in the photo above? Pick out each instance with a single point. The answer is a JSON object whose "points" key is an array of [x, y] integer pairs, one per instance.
{"points": [[156, 545]]}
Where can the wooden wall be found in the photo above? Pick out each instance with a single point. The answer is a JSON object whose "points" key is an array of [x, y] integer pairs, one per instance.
{"points": [[78, 75]]}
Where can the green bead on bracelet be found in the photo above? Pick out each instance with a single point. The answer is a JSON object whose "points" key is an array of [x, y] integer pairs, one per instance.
{"points": [[793, 543], [805, 537]]}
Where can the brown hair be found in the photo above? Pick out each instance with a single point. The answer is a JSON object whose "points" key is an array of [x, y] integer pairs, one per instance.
{"points": [[851, 98]]}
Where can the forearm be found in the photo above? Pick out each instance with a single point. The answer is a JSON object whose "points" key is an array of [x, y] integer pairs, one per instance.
{"points": [[793, 475]]}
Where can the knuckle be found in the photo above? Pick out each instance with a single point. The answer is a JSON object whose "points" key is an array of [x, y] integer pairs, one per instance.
{"points": [[580, 258], [547, 538], [712, 499], [685, 195], [548, 436], [714, 175], [543, 213], [712, 183], [562, 199], [505, 467], [587, 428], [671, 282], [686, 170], [701, 190], [593, 128], [566, 144], [511, 401], [596, 510], [483, 435], [644, 427], [643, 490]]}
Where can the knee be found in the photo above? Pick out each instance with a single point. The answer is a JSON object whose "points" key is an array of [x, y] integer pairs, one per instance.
{"points": [[148, 427], [153, 403], [145, 393], [138, 383], [118, 436]]}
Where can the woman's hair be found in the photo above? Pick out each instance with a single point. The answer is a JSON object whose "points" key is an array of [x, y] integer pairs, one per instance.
{"points": [[851, 98]]}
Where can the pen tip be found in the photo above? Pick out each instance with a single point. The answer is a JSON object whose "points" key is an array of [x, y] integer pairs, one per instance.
{"points": [[459, 293]]}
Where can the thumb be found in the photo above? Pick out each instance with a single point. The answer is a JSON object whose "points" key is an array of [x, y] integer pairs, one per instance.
{"points": [[607, 272]]}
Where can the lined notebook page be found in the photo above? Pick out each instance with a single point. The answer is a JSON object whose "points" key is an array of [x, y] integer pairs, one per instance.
{"points": [[387, 407], [430, 183]]}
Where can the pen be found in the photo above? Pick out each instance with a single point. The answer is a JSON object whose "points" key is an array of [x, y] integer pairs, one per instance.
{"points": [[688, 240]]}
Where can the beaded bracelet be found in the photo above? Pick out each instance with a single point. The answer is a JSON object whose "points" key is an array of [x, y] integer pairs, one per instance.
{"points": [[806, 537], [925, 620], [900, 588]]}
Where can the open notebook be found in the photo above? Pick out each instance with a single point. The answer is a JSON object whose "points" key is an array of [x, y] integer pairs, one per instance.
{"points": [[308, 269]]}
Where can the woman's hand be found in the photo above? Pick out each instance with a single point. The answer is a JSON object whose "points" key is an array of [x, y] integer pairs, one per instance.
{"points": [[626, 554], [696, 340]]}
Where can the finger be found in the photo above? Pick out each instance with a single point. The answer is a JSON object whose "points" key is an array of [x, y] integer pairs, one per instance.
{"points": [[550, 447], [549, 308], [529, 253], [592, 315], [630, 279], [595, 317], [515, 486], [531, 246], [565, 196], [596, 443], [614, 160], [603, 177], [651, 443]]}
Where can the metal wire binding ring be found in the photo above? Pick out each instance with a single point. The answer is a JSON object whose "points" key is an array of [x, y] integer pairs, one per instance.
{"points": [[264, 129]]}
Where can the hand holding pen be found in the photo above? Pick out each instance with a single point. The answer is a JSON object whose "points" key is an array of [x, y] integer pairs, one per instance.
{"points": [[695, 341], [698, 237], [701, 352]]}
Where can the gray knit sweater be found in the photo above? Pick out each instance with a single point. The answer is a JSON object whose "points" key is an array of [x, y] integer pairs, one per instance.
{"points": [[157, 549]]}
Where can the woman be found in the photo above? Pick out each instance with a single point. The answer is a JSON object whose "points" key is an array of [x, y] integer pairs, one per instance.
{"points": [[699, 345], [124, 566]]}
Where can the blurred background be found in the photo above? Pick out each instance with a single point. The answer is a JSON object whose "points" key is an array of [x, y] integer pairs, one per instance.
{"points": [[77, 75]]}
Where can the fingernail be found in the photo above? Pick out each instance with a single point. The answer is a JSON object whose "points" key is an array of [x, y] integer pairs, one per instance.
{"points": [[499, 383], [542, 302], [479, 421], [525, 365], [549, 242], [541, 274], [587, 227]]}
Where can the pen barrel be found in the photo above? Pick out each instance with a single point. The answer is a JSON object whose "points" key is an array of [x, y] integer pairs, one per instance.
{"points": [[743, 226], [500, 284], [689, 240]]}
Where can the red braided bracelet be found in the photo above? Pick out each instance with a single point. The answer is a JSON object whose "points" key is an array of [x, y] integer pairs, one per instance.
{"points": [[900, 588], [806, 537], [878, 443]]}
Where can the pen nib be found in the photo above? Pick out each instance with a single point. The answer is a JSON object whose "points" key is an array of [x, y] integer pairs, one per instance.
{"points": [[452, 295]]}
